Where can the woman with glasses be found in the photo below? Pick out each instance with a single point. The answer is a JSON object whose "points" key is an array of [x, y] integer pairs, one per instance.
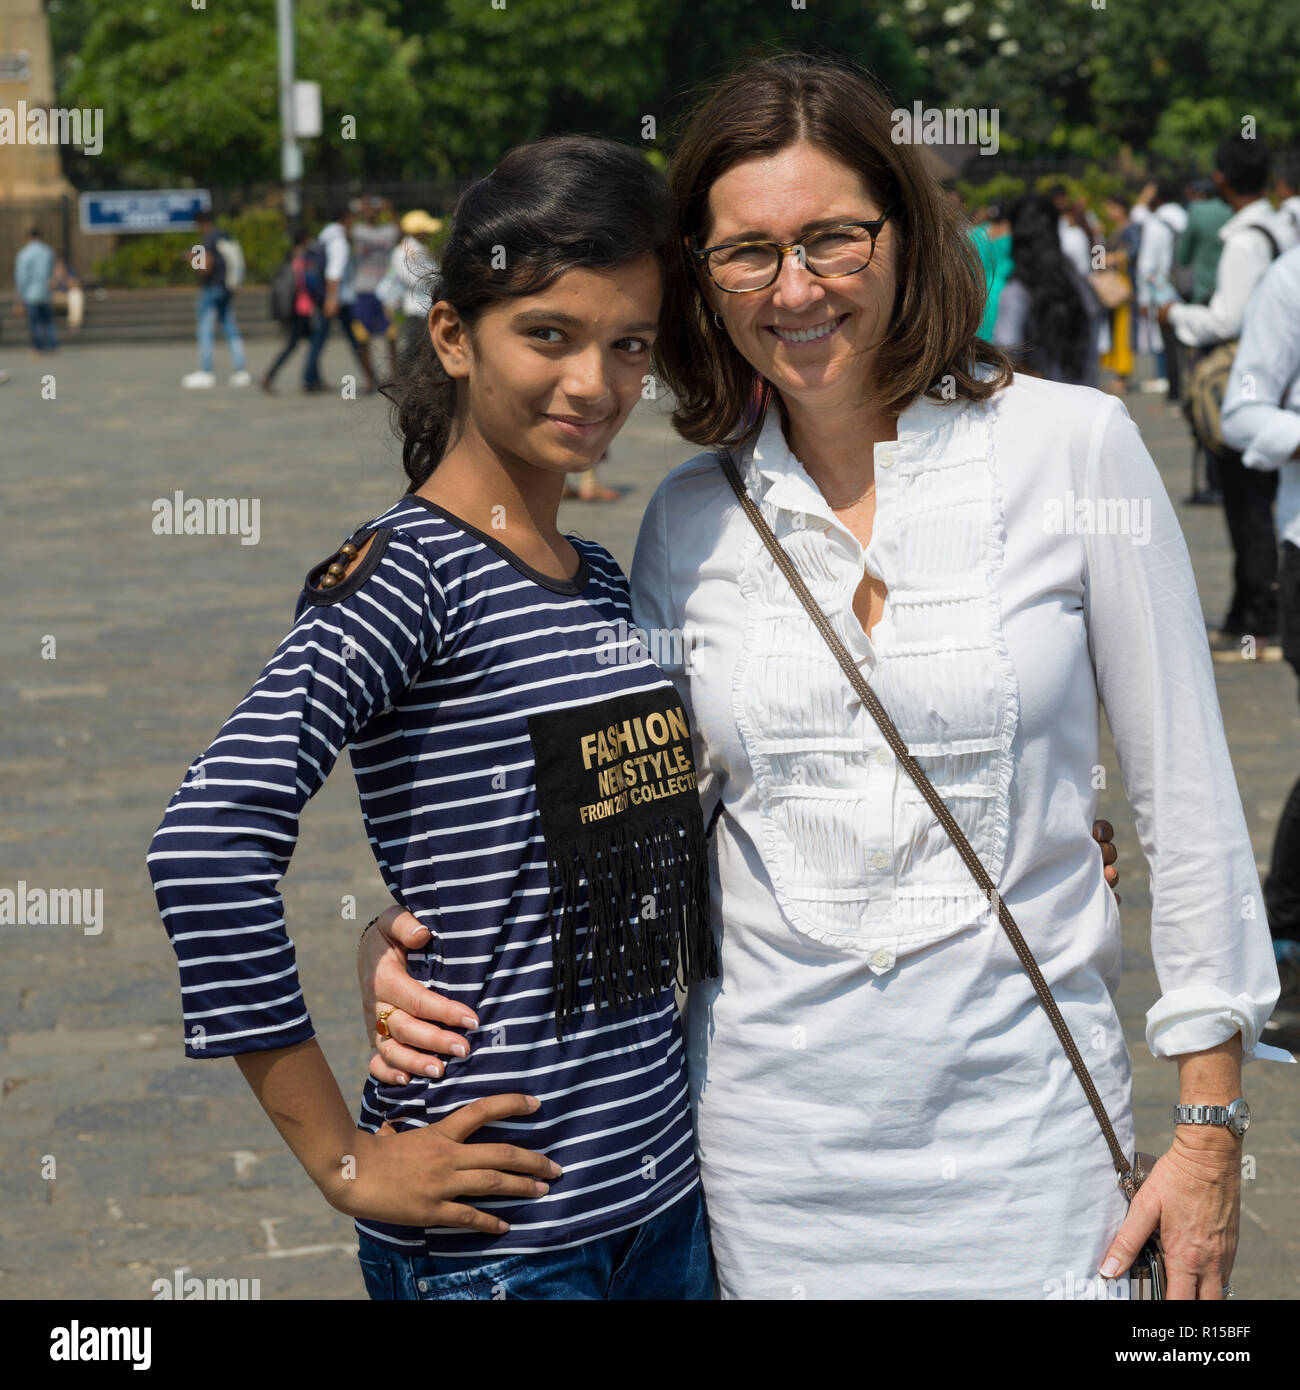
{"points": [[882, 1106]]}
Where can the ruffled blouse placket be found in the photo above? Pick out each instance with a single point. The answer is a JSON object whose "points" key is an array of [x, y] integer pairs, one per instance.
{"points": [[857, 860]]}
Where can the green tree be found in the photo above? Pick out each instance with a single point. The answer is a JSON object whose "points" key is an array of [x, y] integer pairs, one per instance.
{"points": [[1032, 63], [192, 95], [1174, 74], [491, 78], [432, 87], [704, 39]]}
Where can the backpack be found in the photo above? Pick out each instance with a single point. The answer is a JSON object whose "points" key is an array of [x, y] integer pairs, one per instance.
{"points": [[283, 293], [232, 254], [1208, 382]]}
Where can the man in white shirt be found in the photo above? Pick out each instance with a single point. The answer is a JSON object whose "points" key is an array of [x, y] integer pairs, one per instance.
{"points": [[1241, 177], [340, 296], [1261, 417], [1251, 239]]}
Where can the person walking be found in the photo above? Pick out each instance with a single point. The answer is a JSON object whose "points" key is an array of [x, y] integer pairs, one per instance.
{"points": [[1048, 314], [374, 238], [1261, 419], [405, 288], [1162, 219], [1122, 248], [1199, 245], [340, 299], [33, 271], [297, 277], [220, 270], [992, 238], [1076, 244], [1249, 239], [1252, 237]]}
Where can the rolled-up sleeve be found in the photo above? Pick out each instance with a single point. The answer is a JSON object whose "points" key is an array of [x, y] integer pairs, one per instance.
{"points": [[1209, 938], [1265, 371]]}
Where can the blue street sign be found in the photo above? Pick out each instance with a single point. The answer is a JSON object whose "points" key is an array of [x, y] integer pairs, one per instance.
{"points": [[149, 211]]}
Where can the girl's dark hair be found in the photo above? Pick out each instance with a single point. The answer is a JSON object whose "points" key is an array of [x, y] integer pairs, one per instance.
{"points": [[549, 206], [930, 346], [1057, 314]]}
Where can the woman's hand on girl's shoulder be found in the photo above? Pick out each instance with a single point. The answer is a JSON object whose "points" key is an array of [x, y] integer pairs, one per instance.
{"points": [[1102, 830], [411, 1013]]}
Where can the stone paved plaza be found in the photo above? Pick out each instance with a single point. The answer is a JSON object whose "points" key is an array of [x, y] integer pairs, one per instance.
{"points": [[161, 1163]]}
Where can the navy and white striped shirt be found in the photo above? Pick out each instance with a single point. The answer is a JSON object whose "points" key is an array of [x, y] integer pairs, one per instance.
{"points": [[427, 661]]}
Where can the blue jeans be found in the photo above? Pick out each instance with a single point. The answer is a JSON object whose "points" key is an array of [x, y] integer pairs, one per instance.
{"points": [[215, 301], [666, 1257], [40, 324], [319, 334]]}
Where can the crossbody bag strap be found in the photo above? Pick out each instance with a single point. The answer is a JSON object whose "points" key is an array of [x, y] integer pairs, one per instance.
{"points": [[941, 811]]}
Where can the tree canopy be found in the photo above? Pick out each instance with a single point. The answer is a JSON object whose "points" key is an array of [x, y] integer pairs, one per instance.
{"points": [[437, 88]]}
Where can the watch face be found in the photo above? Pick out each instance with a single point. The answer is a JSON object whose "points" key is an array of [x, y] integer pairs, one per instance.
{"points": [[1239, 1117]]}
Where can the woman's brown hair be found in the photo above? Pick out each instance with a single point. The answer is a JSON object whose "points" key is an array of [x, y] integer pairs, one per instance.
{"points": [[930, 345]]}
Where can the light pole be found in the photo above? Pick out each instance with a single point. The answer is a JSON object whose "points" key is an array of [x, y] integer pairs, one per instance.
{"points": [[290, 153]]}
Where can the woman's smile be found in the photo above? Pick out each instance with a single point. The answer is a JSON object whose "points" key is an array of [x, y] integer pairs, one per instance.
{"points": [[816, 333]]}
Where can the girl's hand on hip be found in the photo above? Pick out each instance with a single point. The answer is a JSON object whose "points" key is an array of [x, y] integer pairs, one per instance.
{"points": [[416, 1011], [415, 1178]]}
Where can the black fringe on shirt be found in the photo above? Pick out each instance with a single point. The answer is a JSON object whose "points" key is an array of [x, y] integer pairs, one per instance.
{"points": [[663, 858]]}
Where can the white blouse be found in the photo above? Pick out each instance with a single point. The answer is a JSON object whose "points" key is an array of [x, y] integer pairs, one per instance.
{"points": [[882, 1108]]}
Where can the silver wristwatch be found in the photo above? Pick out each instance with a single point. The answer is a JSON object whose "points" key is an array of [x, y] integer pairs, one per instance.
{"points": [[1235, 1117]]}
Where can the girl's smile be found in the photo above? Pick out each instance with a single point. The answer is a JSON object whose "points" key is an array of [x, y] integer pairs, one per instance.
{"points": [[578, 426]]}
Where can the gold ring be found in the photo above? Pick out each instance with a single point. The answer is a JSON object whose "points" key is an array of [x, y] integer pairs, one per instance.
{"points": [[382, 1026]]}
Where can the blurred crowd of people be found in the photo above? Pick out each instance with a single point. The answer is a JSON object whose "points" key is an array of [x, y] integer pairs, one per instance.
{"points": [[365, 269], [1205, 278]]}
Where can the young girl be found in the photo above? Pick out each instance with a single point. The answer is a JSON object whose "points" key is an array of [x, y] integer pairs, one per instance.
{"points": [[526, 780]]}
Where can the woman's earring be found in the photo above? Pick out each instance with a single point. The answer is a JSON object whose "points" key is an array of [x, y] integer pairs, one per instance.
{"points": [[717, 319]]}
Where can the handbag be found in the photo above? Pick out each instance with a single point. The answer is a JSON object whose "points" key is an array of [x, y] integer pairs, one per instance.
{"points": [[1148, 1269], [1110, 287]]}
